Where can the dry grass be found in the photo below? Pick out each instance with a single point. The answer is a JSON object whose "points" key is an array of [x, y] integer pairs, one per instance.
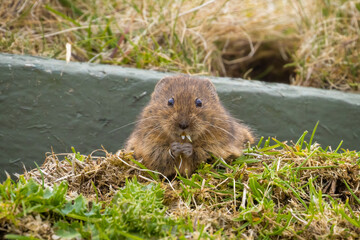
{"points": [[329, 51], [249, 39], [107, 173]]}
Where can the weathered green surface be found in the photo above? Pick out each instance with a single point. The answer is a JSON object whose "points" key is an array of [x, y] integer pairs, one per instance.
{"points": [[47, 103]]}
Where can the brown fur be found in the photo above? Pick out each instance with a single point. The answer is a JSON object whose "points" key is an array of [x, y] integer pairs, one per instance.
{"points": [[157, 136]]}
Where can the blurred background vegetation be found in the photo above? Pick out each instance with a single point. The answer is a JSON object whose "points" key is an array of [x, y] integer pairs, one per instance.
{"points": [[300, 42]]}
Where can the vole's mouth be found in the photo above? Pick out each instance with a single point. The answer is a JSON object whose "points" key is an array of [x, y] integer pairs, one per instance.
{"points": [[183, 135]]}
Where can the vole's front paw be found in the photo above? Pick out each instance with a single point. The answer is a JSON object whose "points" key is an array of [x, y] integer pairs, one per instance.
{"points": [[181, 148], [176, 149], [187, 149]]}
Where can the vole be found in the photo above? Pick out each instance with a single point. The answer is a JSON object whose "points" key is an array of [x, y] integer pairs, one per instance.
{"points": [[184, 123]]}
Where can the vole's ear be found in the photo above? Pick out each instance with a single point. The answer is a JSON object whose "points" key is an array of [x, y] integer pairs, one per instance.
{"points": [[164, 85], [211, 87], [160, 84]]}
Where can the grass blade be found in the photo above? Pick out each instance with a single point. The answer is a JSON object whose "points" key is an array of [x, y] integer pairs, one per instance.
{"points": [[300, 141], [312, 135], [62, 15], [351, 191], [338, 146]]}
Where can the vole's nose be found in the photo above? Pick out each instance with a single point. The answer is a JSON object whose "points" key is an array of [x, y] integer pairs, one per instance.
{"points": [[183, 125]]}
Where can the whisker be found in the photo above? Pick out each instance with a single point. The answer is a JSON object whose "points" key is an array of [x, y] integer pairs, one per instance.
{"points": [[152, 130], [224, 130], [128, 124], [207, 130], [224, 120]]}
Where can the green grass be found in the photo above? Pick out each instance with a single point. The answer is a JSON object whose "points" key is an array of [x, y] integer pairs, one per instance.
{"points": [[135, 212], [274, 190]]}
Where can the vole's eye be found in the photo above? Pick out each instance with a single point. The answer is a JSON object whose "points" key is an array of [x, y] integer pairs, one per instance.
{"points": [[171, 102], [198, 102]]}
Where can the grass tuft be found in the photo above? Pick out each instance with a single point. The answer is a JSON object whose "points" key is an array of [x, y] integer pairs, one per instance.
{"points": [[274, 190]]}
